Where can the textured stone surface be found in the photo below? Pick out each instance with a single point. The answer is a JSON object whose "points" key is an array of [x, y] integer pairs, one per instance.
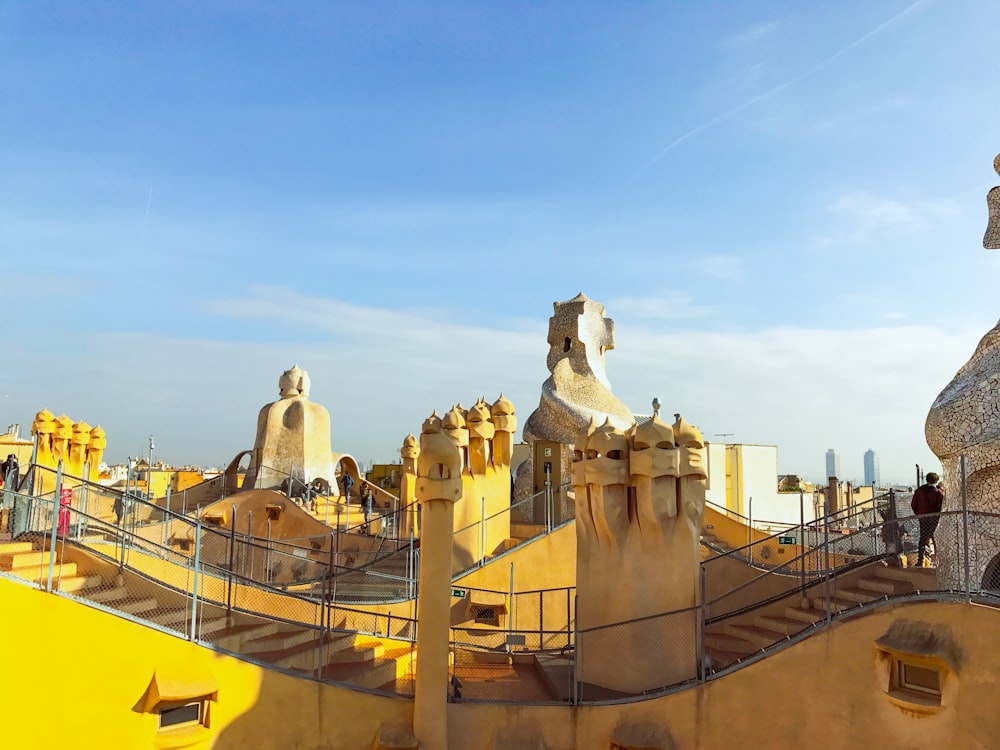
{"points": [[76, 445], [293, 437], [965, 421], [464, 457], [640, 499], [991, 240], [578, 390]]}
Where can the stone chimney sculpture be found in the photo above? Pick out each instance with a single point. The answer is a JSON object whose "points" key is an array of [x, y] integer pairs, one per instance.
{"points": [[293, 437], [965, 421], [640, 499]]}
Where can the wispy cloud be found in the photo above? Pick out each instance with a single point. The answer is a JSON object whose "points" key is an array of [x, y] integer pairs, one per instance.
{"points": [[860, 216], [671, 305], [722, 267], [381, 371], [728, 114], [751, 35]]}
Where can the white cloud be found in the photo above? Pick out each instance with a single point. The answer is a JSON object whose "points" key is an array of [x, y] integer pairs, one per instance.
{"points": [[751, 35], [860, 216], [723, 267], [381, 372], [670, 305]]}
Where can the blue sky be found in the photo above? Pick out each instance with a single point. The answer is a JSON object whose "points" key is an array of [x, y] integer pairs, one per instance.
{"points": [[781, 204]]}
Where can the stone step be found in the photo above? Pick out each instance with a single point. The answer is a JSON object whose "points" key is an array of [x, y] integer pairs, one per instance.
{"points": [[721, 659], [132, 606], [74, 583], [357, 653], [886, 586], [922, 579], [11, 548], [806, 616], [858, 595], [756, 636], [14, 561], [303, 656], [41, 575], [779, 624], [370, 675], [715, 641], [101, 594], [233, 637], [210, 626], [280, 641], [172, 618], [836, 605]]}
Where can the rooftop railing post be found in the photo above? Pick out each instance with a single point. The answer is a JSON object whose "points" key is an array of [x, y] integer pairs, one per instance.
{"points": [[331, 574], [248, 545], [826, 565], [411, 569], [195, 581], [267, 555], [541, 620], [802, 540], [336, 557], [700, 645], [576, 651], [965, 531], [55, 523], [232, 561], [84, 504], [482, 531], [511, 614]]}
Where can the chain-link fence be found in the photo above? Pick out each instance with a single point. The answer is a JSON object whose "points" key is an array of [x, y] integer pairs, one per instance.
{"points": [[63, 542], [746, 609], [295, 607], [492, 535]]}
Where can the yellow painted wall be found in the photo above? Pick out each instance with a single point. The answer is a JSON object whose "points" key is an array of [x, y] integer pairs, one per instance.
{"points": [[84, 689], [181, 479], [822, 694], [19, 447], [825, 693]]}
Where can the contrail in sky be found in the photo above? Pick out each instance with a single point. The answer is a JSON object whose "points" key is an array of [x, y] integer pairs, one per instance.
{"points": [[771, 92]]}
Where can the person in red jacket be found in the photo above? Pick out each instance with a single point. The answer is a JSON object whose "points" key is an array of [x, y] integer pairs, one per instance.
{"points": [[926, 503]]}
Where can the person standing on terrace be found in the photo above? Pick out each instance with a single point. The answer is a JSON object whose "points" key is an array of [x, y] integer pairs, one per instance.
{"points": [[926, 503]]}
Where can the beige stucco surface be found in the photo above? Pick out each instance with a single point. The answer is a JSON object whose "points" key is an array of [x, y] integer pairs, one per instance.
{"points": [[822, 694]]}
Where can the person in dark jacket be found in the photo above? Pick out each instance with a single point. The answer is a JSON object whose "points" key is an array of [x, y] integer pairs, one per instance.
{"points": [[347, 481], [10, 472], [926, 503]]}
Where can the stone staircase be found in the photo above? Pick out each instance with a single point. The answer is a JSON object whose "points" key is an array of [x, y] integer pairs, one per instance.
{"points": [[736, 638], [364, 661], [384, 580]]}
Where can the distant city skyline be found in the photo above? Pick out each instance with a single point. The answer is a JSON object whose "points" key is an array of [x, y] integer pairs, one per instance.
{"points": [[872, 476], [833, 464]]}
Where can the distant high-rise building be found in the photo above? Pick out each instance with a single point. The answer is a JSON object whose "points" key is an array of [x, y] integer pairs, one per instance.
{"points": [[832, 463], [871, 468]]}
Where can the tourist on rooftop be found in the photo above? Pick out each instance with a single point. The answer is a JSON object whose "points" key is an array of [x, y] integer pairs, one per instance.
{"points": [[9, 472], [367, 505], [927, 502], [347, 481]]}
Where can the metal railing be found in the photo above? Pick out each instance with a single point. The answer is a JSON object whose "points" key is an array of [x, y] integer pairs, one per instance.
{"points": [[524, 521], [385, 571], [842, 570], [108, 565]]}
